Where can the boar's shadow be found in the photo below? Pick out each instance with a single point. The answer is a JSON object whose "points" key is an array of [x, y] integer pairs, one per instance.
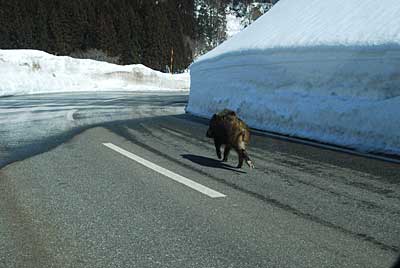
{"points": [[209, 162]]}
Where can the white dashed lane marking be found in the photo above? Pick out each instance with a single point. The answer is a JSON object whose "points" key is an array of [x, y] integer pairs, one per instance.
{"points": [[176, 177]]}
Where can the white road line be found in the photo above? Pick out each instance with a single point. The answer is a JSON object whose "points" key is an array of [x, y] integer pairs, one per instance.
{"points": [[178, 178], [113, 100]]}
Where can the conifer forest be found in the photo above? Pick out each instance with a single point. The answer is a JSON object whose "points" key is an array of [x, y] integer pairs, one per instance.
{"points": [[149, 32]]}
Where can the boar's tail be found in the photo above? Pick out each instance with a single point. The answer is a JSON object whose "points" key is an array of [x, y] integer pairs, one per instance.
{"points": [[242, 140], [245, 135]]}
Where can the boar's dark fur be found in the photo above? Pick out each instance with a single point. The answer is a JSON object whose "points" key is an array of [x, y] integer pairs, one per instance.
{"points": [[229, 130]]}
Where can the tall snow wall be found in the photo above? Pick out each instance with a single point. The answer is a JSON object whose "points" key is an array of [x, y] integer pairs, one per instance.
{"points": [[315, 69]]}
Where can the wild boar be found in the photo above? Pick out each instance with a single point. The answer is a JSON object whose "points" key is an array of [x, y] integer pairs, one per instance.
{"points": [[229, 130]]}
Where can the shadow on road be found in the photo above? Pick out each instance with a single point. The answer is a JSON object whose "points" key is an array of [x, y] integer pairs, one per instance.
{"points": [[209, 162]]}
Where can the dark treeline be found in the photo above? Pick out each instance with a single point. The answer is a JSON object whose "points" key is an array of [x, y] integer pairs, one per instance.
{"points": [[120, 31], [132, 31]]}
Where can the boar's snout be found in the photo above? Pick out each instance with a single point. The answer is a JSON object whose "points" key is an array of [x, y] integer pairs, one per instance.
{"points": [[209, 133], [211, 126]]}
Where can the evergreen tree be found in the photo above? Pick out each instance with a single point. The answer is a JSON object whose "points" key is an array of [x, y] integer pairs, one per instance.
{"points": [[137, 31], [211, 24], [41, 28], [5, 23]]}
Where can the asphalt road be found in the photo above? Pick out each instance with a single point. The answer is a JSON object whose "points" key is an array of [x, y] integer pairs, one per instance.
{"points": [[68, 200]]}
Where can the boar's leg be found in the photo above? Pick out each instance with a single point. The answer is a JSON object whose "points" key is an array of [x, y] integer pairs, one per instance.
{"points": [[244, 156], [226, 152], [247, 158], [240, 164], [218, 149]]}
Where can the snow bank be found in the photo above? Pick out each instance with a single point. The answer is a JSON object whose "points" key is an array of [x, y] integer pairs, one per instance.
{"points": [[313, 69], [32, 71]]}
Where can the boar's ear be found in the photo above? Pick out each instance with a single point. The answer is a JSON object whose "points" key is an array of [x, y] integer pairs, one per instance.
{"points": [[214, 117]]}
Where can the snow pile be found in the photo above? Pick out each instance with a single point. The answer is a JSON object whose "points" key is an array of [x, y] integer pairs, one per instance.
{"points": [[321, 70], [32, 71]]}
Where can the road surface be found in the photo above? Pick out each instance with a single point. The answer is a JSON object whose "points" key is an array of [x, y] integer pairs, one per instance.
{"points": [[130, 180]]}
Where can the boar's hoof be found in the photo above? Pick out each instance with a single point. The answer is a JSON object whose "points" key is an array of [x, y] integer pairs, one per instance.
{"points": [[250, 164]]}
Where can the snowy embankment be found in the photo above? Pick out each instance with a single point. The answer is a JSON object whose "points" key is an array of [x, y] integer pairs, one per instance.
{"points": [[32, 71], [329, 73]]}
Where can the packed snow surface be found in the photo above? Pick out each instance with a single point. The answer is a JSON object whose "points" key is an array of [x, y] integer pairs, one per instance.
{"points": [[314, 23], [33, 71], [323, 70]]}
